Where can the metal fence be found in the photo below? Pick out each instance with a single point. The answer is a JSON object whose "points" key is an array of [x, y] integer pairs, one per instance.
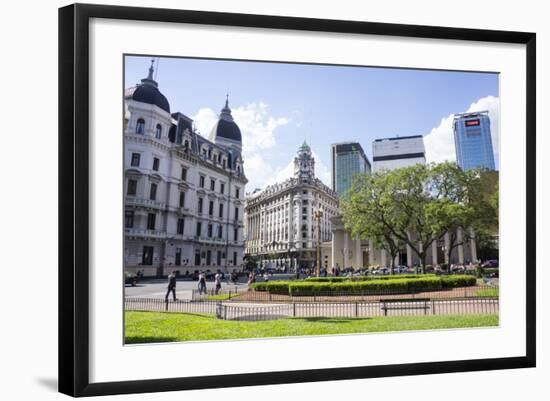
{"points": [[242, 295], [384, 307]]}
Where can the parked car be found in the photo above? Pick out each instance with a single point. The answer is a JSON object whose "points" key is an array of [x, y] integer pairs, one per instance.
{"points": [[490, 263], [130, 278]]}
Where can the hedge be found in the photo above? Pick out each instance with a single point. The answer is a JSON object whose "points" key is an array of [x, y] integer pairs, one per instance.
{"points": [[396, 285], [340, 279], [458, 280], [382, 284]]}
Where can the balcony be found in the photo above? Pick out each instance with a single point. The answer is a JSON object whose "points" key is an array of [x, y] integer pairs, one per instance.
{"points": [[140, 232], [142, 202]]}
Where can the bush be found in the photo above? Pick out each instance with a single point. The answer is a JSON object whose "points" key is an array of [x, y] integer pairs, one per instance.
{"points": [[366, 286], [275, 287], [458, 280], [341, 279]]}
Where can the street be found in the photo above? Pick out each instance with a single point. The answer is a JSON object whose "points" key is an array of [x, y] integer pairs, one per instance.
{"points": [[156, 288]]}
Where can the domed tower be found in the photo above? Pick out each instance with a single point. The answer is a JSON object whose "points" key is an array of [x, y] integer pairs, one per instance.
{"points": [[226, 132], [148, 92], [304, 164]]}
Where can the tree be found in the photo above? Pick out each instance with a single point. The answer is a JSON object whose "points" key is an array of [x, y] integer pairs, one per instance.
{"points": [[362, 208], [416, 206]]}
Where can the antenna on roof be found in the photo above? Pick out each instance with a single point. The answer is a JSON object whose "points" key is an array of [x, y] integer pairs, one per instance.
{"points": [[157, 70]]}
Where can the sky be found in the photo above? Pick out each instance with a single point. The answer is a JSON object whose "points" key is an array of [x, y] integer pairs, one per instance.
{"points": [[278, 106]]}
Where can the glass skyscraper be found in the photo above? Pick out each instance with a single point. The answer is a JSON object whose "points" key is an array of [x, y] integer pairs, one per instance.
{"points": [[348, 159], [473, 143]]}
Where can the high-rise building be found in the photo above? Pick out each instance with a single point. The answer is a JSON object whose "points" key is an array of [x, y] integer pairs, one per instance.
{"points": [[184, 194], [348, 159], [473, 143], [398, 152]]}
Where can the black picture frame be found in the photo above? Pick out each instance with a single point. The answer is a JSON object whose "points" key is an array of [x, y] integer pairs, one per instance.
{"points": [[74, 198]]}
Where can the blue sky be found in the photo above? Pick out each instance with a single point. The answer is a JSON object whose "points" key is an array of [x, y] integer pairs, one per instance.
{"points": [[278, 106]]}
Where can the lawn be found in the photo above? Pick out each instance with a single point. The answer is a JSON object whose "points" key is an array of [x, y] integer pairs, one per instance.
{"points": [[146, 327], [487, 292]]}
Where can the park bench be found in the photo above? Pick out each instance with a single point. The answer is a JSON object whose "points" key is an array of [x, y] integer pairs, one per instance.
{"points": [[405, 304]]}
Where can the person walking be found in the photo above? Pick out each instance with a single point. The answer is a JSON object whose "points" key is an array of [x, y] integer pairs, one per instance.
{"points": [[171, 286], [202, 283], [218, 281]]}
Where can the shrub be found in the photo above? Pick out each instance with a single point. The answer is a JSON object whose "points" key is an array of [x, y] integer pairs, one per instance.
{"points": [[458, 280], [275, 287], [366, 286]]}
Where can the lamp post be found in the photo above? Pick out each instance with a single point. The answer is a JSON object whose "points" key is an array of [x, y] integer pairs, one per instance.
{"points": [[318, 214]]}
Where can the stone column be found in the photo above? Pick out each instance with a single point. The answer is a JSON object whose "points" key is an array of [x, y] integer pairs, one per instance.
{"points": [[371, 252], [447, 245], [409, 256], [300, 223], [383, 257], [473, 246], [333, 250], [290, 220], [346, 249], [358, 254], [434, 253], [459, 237]]}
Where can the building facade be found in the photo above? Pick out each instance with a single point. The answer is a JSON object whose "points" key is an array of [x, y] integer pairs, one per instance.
{"points": [[398, 152], [281, 224], [184, 194], [473, 142], [348, 159]]}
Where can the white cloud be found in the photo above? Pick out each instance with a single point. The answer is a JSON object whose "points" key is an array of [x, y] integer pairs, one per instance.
{"points": [[440, 144], [257, 126], [321, 171]]}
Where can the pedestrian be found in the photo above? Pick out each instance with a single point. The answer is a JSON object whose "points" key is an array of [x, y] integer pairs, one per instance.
{"points": [[218, 281], [202, 283], [251, 280], [171, 286]]}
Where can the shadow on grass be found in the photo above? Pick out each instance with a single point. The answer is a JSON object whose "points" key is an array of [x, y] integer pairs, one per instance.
{"points": [[144, 340], [332, 319]]}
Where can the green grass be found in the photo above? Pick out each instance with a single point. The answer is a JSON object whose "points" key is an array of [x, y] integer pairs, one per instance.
{"points": [[487, 292], [222, 297], [146, 327]]}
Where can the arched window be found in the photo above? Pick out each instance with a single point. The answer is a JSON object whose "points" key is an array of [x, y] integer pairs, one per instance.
{"points": [[158, 131], [140, 126]]}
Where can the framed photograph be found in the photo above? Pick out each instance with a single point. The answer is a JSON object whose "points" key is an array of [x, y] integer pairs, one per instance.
{"points": [[253, 199]]}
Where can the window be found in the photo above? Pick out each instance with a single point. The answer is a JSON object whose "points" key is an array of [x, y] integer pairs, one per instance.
{"points": [[156, 162], [147, 256], [234, 258], [222, 188], [158, 131], [184, 174], [199, 229], [178, 257], [220, 228], [135, 159], [129, 219], [132, 187], [201, 181], [151, 221], [209, 230], [237, 192], [223, 163], [197, 257], [221, 210], [200, 205], [211, 208], [219, 258], [236, 234], [153, 193], [140, 126], [182, 199], [181, 226], [236, 213], [208, 257], [212, 185]]}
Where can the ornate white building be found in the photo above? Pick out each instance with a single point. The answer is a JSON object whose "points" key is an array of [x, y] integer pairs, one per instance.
{"points": [[280, 223], [184, 194]]}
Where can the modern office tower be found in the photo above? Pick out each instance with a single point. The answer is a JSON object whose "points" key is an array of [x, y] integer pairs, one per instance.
{"points": [[473, 143], [183, 193], [398, 152], [348, 159]]}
